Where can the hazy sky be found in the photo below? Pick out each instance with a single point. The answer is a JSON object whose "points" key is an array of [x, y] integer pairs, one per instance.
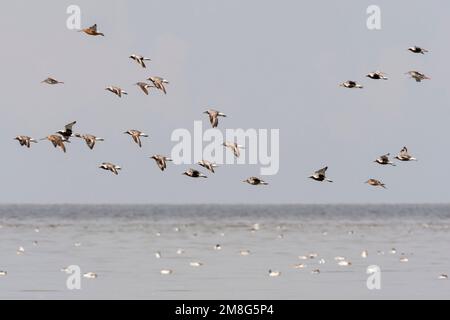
{"points": [[267, 64]]}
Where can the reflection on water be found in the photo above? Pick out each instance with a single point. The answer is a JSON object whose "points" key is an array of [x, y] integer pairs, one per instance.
{"points": [[119, 244]]}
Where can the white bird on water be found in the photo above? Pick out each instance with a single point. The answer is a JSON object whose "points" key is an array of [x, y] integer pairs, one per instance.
{"points": [[166, 272], [90, 275], [274, 274]]}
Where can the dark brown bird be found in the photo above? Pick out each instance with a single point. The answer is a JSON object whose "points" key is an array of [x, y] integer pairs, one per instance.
{"points": [[320, 175]]}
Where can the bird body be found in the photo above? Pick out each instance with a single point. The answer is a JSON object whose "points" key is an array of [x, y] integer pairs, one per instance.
{"points": [[351, 85], [25, 141], [140, 60], [144, 87], [136, 135], [57, 141], [161, 161], [159, 83], [418, 76], [117, 91], [110, 167], [52, 81], [67, 132], [377, 75], [92, 31], [194, 174], [254, 181], [214, 117], [208, 165], [233, 146], [376, 183], [384, 160], [90, 139], [320, 175], [417, 49], [405, 156]]}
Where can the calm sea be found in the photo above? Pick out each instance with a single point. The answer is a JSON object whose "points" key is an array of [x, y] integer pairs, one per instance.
{"points": [[119, 243]]}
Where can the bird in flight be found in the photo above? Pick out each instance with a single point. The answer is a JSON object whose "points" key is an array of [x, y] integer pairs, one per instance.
{"points": [[214, 117], [194, 174], [417, 49], [418, 76], [351, 85], [377, 75], [384, 160], [405, 156], [233, 146], [144, 87], [208, 165], [136, 135], [90, 139], [117, 91], [254, 181], [159, 82], [110, 167], [52, 81], [320, 175], [161, 161], [67, 132], [25, 141], [57, 141], [376, 183], [140, 60], [92, 31]]}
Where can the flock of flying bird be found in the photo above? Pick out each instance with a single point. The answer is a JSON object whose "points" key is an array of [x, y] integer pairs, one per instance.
{"points": [[63, 136]]}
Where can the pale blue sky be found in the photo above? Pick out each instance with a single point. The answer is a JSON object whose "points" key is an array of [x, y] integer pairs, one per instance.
{"points": [[266, 64]]}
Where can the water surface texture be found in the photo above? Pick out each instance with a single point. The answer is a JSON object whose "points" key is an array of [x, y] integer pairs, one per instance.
{"points": [[119, 244]]}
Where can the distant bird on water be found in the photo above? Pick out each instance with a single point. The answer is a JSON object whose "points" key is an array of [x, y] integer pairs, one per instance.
{"points": [[110, 167], [416, 75], [159, 82], [90, 139], [405, 156], [384, 160], [233, 146], [417, 49], [351, 84], [376, 183], [92, 31], [194, 174], [144, 87], [136, 135], [161, 161], [52, 81], [140, 60], [25, 141], [254, 181], [57, 141], [214, 117], [377, 75], [320, 175], [208, 165], [67, 132], [117, 91]]}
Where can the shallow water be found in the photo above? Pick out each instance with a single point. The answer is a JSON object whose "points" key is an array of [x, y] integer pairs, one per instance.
{"points": [[119, 244]]}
